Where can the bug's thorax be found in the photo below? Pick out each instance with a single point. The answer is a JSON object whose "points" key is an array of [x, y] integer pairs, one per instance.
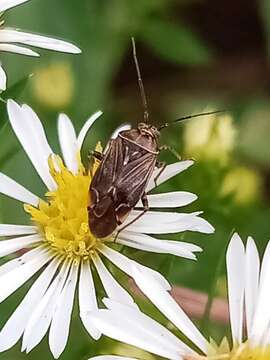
{"points": [[145, 136]]}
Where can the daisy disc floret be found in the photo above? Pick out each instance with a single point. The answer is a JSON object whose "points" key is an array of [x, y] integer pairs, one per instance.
{"points": [[59, 240], [63, 218], [14, 41], [248, 294]]}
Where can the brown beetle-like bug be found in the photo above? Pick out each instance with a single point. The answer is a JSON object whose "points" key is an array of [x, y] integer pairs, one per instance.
{"points": [[125, 170]]}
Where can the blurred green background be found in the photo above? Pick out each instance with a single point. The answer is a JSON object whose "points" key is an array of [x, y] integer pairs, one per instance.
{"points": [[195, 56]]}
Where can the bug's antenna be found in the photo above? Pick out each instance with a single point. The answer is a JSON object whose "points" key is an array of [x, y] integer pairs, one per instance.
{"points": [[189, 117], [140, 82]]}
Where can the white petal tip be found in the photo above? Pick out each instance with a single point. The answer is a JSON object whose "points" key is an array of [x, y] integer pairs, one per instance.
{"points": [[72, 49], [11, 104], [3, 79], [204, 227], [96, 336], [187, 163], [76, 50], [193, 198], [235, 240], [210, 229], [55, 354]]}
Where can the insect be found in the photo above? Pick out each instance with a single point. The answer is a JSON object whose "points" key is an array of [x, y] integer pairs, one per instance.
{"points": [[125, 170]]}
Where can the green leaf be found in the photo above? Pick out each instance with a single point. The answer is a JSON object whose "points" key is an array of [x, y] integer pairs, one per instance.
{"points": [[9, 145], [175, 42], [166, 265], [212, 290], [13, 92]]}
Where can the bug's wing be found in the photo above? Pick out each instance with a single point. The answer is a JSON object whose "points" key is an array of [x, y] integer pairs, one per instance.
{"points": [[119, 182], [131, 186], [102, 217], [135, 177], [109, 168], [105, 223]]}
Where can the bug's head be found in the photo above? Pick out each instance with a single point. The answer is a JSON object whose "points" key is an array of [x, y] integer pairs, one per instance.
{"points": [[148, 130]]}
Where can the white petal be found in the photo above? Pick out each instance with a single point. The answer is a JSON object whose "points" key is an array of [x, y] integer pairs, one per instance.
{"points": [[119, 306], [120, 128], [10, 246], [14, 327], [8, 4], [265, 340], [14, 36], [11, 230], [42, 315], [171, 199], [87, 299], [252, 282], [31, 135], [148, 243], [12, 280], [25, 258], [3, 79], [265, 267], [262, 314], [112, 288], [59, 329], [235, 260], [116, 133], [167, 223], [44, 150], [68, 142], [170, 171], [168, 306], [138, 330], [126, 265], [111, 357], [149, 324], [16, 191], [87, 126], [18, 50]]}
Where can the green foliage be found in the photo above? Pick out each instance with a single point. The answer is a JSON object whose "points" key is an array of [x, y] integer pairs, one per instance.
{"points": [[184, 47], [9, 145]]}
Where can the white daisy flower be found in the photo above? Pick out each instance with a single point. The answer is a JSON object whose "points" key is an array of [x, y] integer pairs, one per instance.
{"points": [[11, 40], [60, 243], [248, 295]]}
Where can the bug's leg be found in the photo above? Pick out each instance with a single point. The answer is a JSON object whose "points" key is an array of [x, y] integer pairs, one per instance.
{"points": [[95, 154], [92, 155], [172, 151], [162, 167], [145, 209]]}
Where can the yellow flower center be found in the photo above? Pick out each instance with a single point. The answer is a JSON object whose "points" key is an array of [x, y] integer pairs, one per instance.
{"points": [[63, 218], [246, 352], [242, 352]]}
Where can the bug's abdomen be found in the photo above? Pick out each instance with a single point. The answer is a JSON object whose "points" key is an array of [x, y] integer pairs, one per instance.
{"points": [[101, 217]]}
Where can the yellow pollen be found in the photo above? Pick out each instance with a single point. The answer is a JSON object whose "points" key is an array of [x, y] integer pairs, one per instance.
{"points": [[63, 218], [243, 351], [246, 352]]}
